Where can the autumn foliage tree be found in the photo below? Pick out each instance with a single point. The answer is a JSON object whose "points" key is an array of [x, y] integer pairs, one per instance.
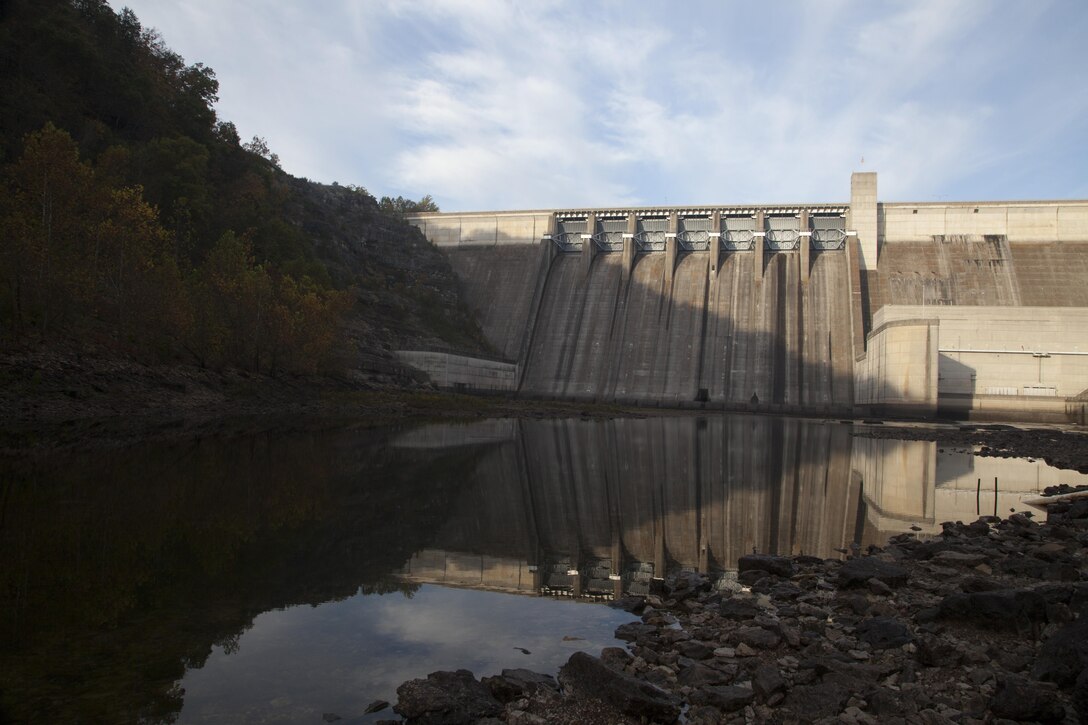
{"points": [[86, 260], [247, 315], [81, 257]]}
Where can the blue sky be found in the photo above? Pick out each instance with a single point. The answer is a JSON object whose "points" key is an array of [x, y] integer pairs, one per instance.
{"points": [[487, 104]]}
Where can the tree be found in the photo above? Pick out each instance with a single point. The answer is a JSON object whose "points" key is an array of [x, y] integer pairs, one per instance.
{"points": [[82, 252], [401, 206]]}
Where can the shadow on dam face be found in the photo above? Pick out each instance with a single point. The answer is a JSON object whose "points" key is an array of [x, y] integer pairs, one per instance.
{"points": [[739, 336], [736, 337]]}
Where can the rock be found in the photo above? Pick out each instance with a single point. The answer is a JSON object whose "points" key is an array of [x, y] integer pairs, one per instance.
{"points": [[935, 652], [1080, 696], [979, 584], [757, 637], [858, 572], [959, 558], [700, 675], [727, 698], [767, 681], [739, 609], [592, 678], [820, 700], [615, 657], [778, 565], [743, 650], [376, 706], [1027, 566], [634, 605], [857, 603], [694, 650], [686, 584], [634, 631], [445, 698], [517, 683], [884, 633], [878, 587], [1064, 655], [1022, 700], [1010, 608], [333, 717]]}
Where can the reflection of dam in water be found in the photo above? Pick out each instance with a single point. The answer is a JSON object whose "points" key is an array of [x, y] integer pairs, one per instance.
{"points": [[600, 506], [919, 483]]}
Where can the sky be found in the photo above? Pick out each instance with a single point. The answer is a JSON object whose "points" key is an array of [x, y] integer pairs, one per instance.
{"points": [[486, 104]]}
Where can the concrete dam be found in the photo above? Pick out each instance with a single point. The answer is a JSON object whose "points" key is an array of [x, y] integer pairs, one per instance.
{"points": [[968, 309]]}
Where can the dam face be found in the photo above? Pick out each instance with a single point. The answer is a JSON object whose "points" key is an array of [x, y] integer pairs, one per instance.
{"points": [[822, 308]]}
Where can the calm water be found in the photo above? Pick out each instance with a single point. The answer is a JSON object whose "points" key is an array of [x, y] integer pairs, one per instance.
{"points": [[276, 577]]}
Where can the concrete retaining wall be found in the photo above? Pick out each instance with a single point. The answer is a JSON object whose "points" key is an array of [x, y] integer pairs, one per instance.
{"points": [[975, 362], [457, 372]]}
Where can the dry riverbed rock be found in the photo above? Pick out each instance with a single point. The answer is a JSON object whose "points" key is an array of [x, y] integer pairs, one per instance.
{"points": [[980, 624]]}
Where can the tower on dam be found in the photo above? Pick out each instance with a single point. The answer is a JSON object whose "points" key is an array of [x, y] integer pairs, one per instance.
{"points": [[965, 309]]}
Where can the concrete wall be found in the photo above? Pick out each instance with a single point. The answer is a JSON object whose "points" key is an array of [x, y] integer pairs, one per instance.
{"points": [[501, 260], [487, 229], [1064, 221], [898, 373], [990, 362], [736, 339], [459, 372]]}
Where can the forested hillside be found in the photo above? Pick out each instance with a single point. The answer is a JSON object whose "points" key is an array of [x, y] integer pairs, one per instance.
{"points": [[136, 221]]}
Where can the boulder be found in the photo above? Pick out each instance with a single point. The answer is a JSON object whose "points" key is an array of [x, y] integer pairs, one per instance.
{"points": [[700, 675], [635, 631], [590, 677], [695, 650], [1010, 608], [514, 684], [813, 702], [1025, 701], [445, 698], [757, 637], [884, 632], [727, 698], [739, 609], [858, 572], [767, 681], [1065, 655]]}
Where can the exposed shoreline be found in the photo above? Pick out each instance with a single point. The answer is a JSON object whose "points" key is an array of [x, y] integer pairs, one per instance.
{"points": [[52, 400], [981, 624]]}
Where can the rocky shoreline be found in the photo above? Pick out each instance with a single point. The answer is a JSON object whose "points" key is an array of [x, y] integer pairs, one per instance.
{"points": [[980, 624]]}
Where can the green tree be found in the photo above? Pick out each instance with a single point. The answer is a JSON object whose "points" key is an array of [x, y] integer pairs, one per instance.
{"points": [[402, 206]]}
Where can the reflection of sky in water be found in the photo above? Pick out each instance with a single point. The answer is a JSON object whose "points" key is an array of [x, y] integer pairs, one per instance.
{"points": [[295, 664]]}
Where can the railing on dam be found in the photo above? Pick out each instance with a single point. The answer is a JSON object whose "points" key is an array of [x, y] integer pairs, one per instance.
{"points": [[729, 230]]}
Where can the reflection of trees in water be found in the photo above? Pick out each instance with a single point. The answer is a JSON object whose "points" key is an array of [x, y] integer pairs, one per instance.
{"points": [[123, 568]]}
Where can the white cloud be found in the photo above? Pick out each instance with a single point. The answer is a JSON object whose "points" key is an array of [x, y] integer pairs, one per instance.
{"points": [[506, 104]]}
